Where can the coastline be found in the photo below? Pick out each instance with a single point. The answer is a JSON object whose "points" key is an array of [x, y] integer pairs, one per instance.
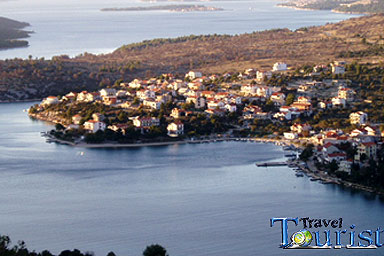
{"points": [[331, 10], [306, 167]]}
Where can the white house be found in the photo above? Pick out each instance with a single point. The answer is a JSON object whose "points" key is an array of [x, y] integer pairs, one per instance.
{"points": [[94, 126], [108, 92], [145, 122], [358, 118], [152, 103], [76, 119], [338, 69], [194, 74], [290, 136], [336, 101], [260, 75], [51, 100], [279, 66], [175, 129]]}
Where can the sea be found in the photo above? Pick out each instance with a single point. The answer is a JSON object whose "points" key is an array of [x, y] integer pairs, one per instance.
{"points": [[195, 199], [73, 27]]}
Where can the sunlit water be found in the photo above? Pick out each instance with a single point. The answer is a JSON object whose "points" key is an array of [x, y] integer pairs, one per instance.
{"points": [[73, 27], [204, 199]]}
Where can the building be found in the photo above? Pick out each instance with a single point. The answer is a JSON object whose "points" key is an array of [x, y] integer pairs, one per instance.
{"points": [[152, 103], [175, 129], [198, 101], [261, 75], [338, 68], [145, 122], [194, 74], [345, 166], [94, 126], [367, 149], [51, 100], [346, 93], [358, 118], [76, 119], [108, 92], [279, 66]]}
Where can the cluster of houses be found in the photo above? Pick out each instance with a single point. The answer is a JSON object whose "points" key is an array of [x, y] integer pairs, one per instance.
{"points": [[330, 144], [206, 97]]}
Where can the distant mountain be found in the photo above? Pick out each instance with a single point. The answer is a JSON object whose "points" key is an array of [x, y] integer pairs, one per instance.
{"points": [[347, 6], [10, 33]]}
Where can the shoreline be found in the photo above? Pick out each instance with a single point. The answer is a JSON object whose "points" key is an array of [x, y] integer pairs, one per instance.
{"points": [[331, 10], [311, 172]]}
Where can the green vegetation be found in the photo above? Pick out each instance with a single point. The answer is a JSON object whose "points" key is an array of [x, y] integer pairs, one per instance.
{"points": [[10, 33], [6, 249]]}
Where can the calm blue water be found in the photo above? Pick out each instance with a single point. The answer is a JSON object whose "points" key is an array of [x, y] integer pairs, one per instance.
{"points": [[200, 200], [73, 27]]}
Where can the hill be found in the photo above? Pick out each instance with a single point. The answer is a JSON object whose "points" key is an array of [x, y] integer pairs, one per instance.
{"points": [[358, 39], [346, 6]]}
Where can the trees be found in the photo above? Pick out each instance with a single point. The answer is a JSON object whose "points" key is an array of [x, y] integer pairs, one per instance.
{"points": [[290, 99], [155, 250]]}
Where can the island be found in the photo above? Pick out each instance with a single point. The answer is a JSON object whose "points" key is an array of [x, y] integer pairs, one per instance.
{"points": [[172, 8], [11, 31], [343, 6]]}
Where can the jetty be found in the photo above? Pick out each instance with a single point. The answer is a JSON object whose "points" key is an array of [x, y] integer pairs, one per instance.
{"points": [[271, 164]]}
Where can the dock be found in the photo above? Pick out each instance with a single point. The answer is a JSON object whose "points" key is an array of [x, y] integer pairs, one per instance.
{"points": [[271, 164]]}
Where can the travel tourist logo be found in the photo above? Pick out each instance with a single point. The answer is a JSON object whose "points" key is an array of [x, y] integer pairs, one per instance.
{"points": [[305, 239]]}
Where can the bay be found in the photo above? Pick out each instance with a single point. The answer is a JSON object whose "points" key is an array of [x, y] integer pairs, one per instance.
{"points": [[73, 27], [204, 199]]}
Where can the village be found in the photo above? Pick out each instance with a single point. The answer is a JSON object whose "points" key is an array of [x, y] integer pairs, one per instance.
{"points": [[224, 106]]}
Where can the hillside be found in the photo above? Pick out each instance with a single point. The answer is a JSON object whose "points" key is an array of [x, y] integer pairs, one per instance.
{"points": [[358, 39], [346, 6], [10, 33]]}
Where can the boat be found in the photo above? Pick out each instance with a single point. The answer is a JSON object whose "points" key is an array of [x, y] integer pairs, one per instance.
{"points": [[299, 174]]}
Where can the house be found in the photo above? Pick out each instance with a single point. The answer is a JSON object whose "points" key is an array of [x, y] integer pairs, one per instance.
{"points": [[336, 102], [367, 149], [82, 96], [194, 74], [152, 103], [98, 117], [135, 84], [358, 118], [346, 93], [279, 66], [345, 166], [218, 112], [93, 126], [278, 98], [177, 113], [109, 100], [249, 89], [145, 122], [231, 107], [76, 119], [338, 68], [108, 92], [144, 94], [339, 156], [92, 96], [261, 75], [198, 101], [290, 136], [325, 104], [301, 128], [215, 104], [50, 100], [175, 129]]}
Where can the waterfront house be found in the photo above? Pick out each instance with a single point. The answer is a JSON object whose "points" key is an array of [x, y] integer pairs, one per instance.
{"points": [[93, 126], [50, 100], [366, 149], [175, 129], [145, 122]]}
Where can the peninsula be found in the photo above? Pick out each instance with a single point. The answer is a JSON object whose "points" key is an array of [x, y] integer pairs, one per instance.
{"points": [[344, 6], [11, 31], [172, 8]]}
